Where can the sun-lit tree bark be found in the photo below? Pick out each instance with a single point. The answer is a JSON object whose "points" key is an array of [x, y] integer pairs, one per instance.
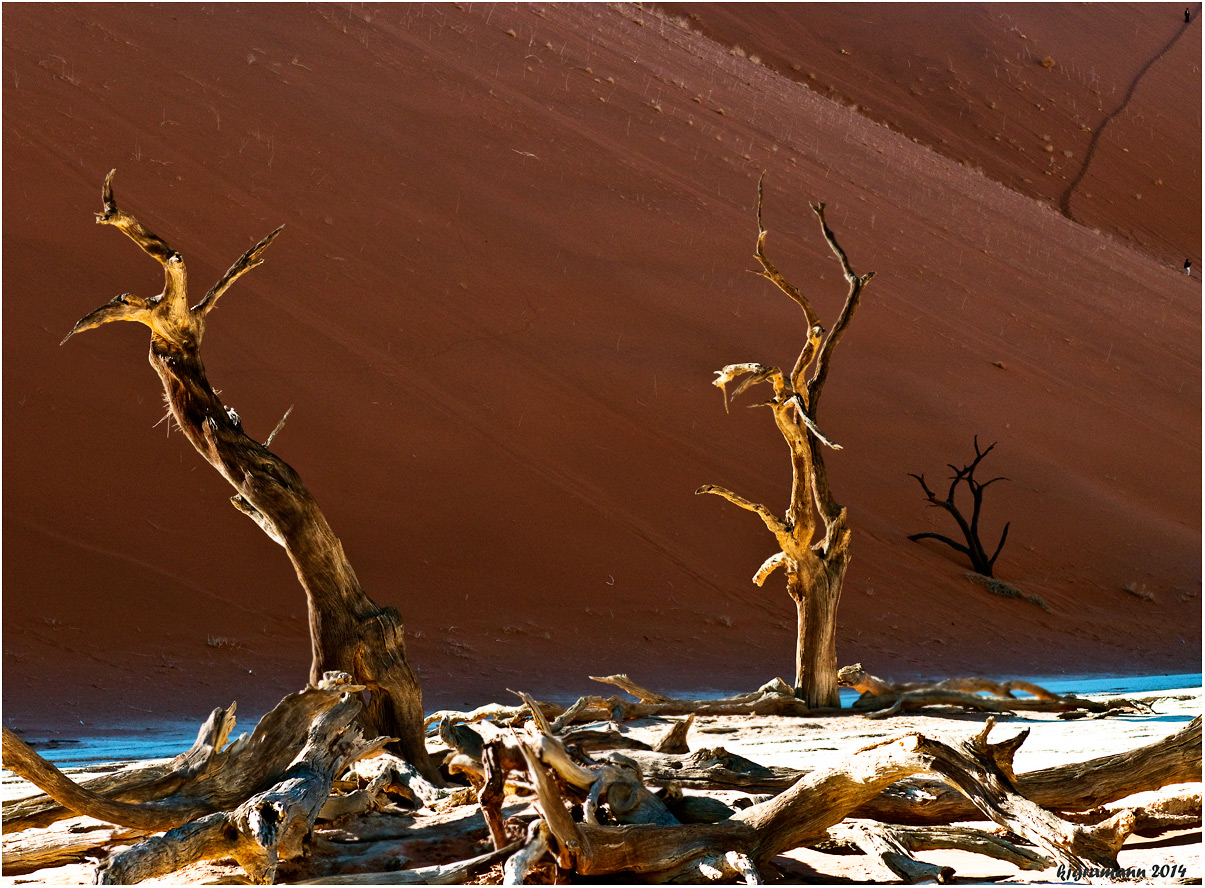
{"points": [[813, 536], [348, 631]]}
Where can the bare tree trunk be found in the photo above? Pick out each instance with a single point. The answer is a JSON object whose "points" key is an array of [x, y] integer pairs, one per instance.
{"points": [[816, 646], [348, 631], [813, 554]]}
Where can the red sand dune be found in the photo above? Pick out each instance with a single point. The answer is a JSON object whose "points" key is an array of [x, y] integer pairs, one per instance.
{"points": [[516, 250]]}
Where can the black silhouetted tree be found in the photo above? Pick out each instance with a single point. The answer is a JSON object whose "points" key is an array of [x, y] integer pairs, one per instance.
{"points": [[813, 536], [348, 631], [973, 547]]}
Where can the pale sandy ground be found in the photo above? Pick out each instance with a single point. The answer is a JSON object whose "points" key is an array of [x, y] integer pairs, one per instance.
{"points": [[808, 743]]}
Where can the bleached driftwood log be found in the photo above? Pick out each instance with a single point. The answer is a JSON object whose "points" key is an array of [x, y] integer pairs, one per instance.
{"points": [[1075, 787], [266, 828], [210, 777], [598, 844], [773, 698], [881, 699], [74, 840], [895, 845], [445, 874], [1171, 809], [141, 782]]}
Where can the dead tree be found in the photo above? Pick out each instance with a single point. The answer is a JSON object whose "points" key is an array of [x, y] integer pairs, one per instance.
{"points": [[348, 631], [973, 548], [813, 553]]}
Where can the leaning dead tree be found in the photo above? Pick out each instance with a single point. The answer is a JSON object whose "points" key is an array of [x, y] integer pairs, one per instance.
{"points": [[348, 632], [973, 548], [813, 535]]}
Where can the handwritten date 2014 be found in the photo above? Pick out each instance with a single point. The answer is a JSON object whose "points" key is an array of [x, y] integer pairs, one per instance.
{"points": [[1158, 871]]}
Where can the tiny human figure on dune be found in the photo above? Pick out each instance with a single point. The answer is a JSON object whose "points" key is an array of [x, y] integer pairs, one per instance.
{"points": [[1187, 15], [1188, 267]]}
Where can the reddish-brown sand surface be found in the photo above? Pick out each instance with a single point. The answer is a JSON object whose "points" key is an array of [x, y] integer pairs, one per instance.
{"points": [[516, 248]]}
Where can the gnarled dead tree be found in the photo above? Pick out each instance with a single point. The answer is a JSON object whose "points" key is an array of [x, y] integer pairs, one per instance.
{"points": [[813, 553], [348, 631], [973, 548]]}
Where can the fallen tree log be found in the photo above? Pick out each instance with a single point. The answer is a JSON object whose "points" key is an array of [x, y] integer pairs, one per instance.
{"points": [[803, 814], [221, 778], [445, 874], [773, 698], [714, 768], [269, 826], [882, 699], [1074, 787], [1173, 808], [71, 841], [141, 782]]}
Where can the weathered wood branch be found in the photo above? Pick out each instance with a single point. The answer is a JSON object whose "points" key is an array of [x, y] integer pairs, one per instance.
{"points": [[208, 778], [817, 801], [714, 768], [983, 773], [142, 782], [524, 860], [348, 631], [1075, 787], [863, 682], [249, 260], [1171, 809], [266, 828], [445, 874], [885, 843], [975, 841], [148, 816], [673, 742], [505, 715], [896, 844], [852, 300], [881, 699], [772, 274], [625, 684], [772, 521], [69, 841]]}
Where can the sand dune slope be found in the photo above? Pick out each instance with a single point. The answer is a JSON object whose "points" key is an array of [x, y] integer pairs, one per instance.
{"points": [[516, 249]]}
